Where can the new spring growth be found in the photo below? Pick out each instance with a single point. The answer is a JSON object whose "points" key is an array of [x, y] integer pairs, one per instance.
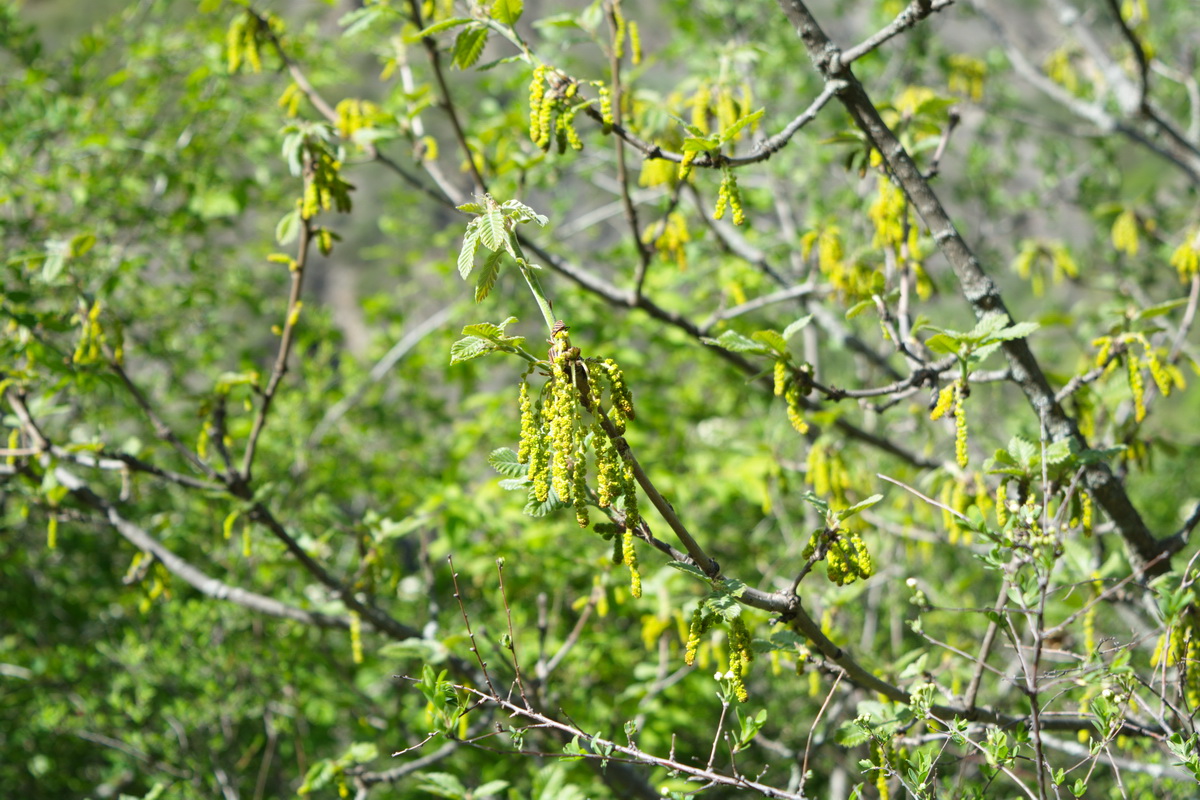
{"points": [[550, 110], [793, 384], [555, 439], [954, 396], [844, 552], [729, 196]]}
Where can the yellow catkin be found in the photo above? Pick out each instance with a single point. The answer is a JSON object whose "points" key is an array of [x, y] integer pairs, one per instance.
{"points": [[960, 424], [945, 398], [629, 555], [695, 631], [356, 647], [1137, 385]]}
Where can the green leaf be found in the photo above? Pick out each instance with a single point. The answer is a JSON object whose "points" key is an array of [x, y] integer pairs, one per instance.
{"points": [[438, 27], [466, 256], [490, 788], [771, 339], [1160, 309], [442, 784], [942, 343], [696, 144], [858, 308], [288, 228], [493, 231], [690, 569], [488, 276], [796, 327], [1018, 331], [81, 244], [468, 47], [507, 11], [468, 348], [471, 208], [862, 505], [737, 343], [504, 461], [850, 734], [1024, 451], [736, 127]]}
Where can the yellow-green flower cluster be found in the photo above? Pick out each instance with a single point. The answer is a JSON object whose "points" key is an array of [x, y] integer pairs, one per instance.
{"points": [[91, 335], [888, 214], [953, 396], [629, 556], [1002, 503], [325, 189], [960, 423], [544, 106], [729, 196], [826, 472], [700, 625], [781, 376], [669, 237], [845, 554], [539, 109], [606, 107], [565, 427], [1186, 258], [620, 395], [353, 115], [848, 559], [1137, 384], [740, 656]]}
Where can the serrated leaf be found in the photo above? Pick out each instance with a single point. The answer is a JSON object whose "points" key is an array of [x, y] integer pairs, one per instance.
{"points": [[468, 47], [515, 484], [488, 276], [695, 144], [504, 461], [990, 324], [492, 230], [982, 352], [1024, 451], [1059, 451], [796, 327], [484, 330], [1017, 331], [737, 343], [438, 27], [859, 506], [471, 208], [771, 339], [1159, 309], [690, 569], [466, 256], [850, 734], [537, 509], [942, 343], [468, 348], [736, 127], [507, 11]]}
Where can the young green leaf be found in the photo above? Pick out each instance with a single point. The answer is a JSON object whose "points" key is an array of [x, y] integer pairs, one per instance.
{"points": [[507, 11], [466, 256], [468, 348], [488, 276], [468, 47]]}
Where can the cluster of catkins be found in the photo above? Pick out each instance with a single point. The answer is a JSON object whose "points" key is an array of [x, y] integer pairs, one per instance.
{"points": [[846, 556], [555, 439], [741, 652]]}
